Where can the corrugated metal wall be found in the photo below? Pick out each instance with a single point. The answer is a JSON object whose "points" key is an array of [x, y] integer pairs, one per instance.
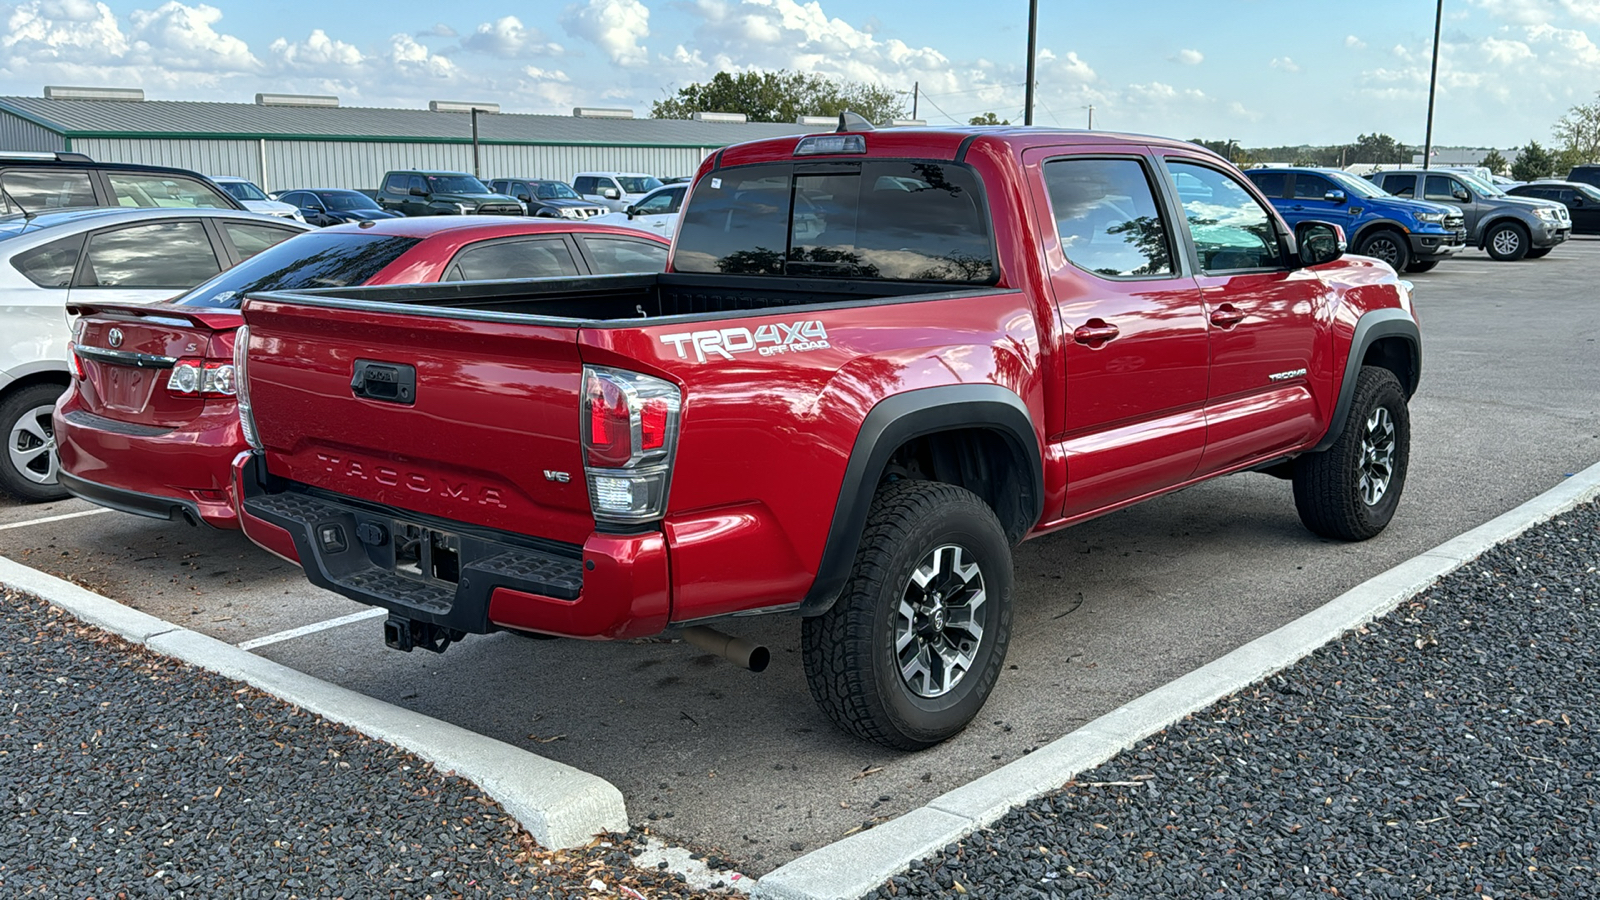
{"points": [[17, 133], [362, 164]]}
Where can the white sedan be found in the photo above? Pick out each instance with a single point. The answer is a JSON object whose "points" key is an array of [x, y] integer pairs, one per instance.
{"points": [[656, 213], [93, 255]]}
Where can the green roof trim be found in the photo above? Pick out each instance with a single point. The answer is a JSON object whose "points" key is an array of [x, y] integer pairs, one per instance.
{"points": [[364, 138]]}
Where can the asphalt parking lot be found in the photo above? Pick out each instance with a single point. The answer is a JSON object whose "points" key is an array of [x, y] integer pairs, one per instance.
{"points": [[720, 758]]}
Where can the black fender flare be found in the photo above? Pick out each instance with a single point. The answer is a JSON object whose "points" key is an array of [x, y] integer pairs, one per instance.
{"points": [[1378, 224], [890, 424], [1374, 326]]}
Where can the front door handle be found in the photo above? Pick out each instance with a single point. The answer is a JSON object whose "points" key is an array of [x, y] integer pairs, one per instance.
{"points": [[1095, 333], [1226, 316]]}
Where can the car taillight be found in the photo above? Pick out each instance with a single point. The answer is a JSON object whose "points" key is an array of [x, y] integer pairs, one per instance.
{"points": [[241, 381], [630, 434], [199, 378], [77, 364]]}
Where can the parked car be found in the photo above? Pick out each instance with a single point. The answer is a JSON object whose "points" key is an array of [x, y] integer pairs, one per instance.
{"points": [[255, 199], [108, 255], [324, 207], [32, 183], [1585, 174], [428, 192], [1510, 228], [657, 213], [149, 425], [547, 198], [1581, 200], [996, 334], [1410, 235], [615, 191]]}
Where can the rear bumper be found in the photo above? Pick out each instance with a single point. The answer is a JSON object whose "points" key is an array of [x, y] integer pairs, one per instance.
{"points": [[151, 471], [613, 586]]}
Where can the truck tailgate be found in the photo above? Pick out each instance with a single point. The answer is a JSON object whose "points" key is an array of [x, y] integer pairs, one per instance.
{"points": [[474, 420]]}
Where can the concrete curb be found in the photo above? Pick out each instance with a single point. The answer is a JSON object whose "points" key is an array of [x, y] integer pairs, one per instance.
{"points": [[559, 805], [857, 865]]}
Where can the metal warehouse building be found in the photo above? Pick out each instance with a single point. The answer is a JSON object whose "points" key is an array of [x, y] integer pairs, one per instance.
{"points": [[290, 141]]}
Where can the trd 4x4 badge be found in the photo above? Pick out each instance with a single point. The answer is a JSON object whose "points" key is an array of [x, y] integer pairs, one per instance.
{"points": [[768, 340]]}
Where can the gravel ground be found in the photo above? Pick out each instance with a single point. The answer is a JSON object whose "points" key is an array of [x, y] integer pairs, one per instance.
{"points": [[126, 774], [1446, 750]]}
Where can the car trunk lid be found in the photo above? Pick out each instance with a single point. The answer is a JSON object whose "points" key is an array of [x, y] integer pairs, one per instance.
{"points": [[127, 355]]}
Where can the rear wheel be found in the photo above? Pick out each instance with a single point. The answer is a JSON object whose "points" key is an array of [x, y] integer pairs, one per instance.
{"points": [[909, 653], [1422, 265], [1538, 252], [1389, 246], [29, 466], [1507, 242], [1349, 492]]}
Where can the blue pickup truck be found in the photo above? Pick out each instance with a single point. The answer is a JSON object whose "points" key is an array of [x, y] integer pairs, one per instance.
{"points": [[1410, 235]]}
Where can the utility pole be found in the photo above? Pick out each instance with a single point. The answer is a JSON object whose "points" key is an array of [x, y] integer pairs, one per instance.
{"points": [[1090, 108], [916, 93], [1433, 85], [477, 170], [1033, 41]]}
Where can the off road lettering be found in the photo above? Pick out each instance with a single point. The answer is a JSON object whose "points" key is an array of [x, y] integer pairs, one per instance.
{"points": [[767, 340]]}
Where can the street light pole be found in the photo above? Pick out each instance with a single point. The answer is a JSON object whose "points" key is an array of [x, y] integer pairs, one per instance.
{"points": [[1433, 85], [477, 170], [1033, 40]]}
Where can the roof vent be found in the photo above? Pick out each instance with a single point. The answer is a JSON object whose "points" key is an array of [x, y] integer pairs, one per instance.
{"points": [[296, 100], [817, 120], [735, 118], [57, 92], [461, 106], [601, 112]]}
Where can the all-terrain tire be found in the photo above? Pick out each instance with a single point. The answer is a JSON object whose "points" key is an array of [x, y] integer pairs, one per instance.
{"points": [[1507, 241], [1350, 491], [1389, 246], [28, 462], [921, 539]]}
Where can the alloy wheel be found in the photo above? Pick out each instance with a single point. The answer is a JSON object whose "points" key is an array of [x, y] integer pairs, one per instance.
{"points": [[32, 446], [1377, 456], [1385, 249], [1506, 241], [939, 625]]}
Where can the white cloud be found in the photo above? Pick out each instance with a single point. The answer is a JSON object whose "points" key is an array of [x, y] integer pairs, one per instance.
{"points": [[1285, 64], [508, 38], [183, 37], [1354, 43], [538, 74], [616, 26], [439, 29], [411, 58], [316, 52], [44, 31], [1188, 57]]}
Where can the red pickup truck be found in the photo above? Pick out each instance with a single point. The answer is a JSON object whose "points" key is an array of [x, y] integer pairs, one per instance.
{"points": [[877, 362]]}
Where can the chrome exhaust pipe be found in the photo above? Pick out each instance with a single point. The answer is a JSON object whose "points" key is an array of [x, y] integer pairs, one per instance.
{"points": [[737, 650]]}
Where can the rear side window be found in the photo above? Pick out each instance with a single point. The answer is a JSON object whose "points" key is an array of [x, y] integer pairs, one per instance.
{"points": [[50, 265], [1400, 185], [314, 260], [513, 259], [162, 255], [584, 185], [1270, 183], [616, 256], [1106, 216], [889, 219], [250, 239], [167, 191], [395, 184], [38, 190]]}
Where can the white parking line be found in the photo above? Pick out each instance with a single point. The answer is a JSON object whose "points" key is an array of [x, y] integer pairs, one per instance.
{"points": [[87, 512], [313, 628]]}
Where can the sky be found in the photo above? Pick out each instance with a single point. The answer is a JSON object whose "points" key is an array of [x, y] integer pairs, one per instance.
{"points": [[1262, 72]]}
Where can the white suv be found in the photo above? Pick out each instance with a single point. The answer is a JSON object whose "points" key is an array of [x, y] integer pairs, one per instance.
{"points": [[255, 199], [616, 191]]}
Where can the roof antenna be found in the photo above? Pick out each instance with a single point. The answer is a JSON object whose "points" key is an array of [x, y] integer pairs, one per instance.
{"points": [[26, 216], [849, 121]]}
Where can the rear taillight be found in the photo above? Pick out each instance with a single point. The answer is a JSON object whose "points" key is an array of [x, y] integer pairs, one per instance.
{"points": [[241, 382], [77, 364], [630, 433], [199, 378]]}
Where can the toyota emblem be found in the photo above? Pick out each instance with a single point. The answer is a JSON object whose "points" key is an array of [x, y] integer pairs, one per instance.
{"points": [[114, 337]]}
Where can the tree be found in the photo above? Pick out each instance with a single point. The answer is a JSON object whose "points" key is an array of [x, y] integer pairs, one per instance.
{"points": [[781, 96], [1533, 162], [1494, 162], [1378, 148], [988, 118], [1579, 131]]}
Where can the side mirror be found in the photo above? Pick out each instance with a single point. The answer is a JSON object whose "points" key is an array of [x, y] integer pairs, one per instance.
{"points": [[418, 192], [632, 211], [524, 198], [1577, 201], [610, 193], [1334, 196], [1319, 242], [1461, 195]]}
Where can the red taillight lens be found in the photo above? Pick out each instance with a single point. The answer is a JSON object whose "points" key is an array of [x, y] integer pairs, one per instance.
{"points": [[77, 364], [610, 437], [653, 415], [630, 430]]}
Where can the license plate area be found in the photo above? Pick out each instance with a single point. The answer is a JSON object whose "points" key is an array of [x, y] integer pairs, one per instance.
{"points": [[124, 388], [426, 554]]}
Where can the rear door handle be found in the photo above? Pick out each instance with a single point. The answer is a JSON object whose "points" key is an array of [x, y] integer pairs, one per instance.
{"points": [[1226, 316], [1095, 333]]}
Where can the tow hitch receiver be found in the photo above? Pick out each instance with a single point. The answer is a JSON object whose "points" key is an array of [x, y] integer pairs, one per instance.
{"points": [[400, 633]]}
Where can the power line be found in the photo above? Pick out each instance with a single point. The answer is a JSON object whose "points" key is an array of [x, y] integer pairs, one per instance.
{"points": [[952, 119]]}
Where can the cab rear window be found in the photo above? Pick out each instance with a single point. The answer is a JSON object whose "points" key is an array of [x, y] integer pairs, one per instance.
{"points": [[315, 260], [899, 220]]}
